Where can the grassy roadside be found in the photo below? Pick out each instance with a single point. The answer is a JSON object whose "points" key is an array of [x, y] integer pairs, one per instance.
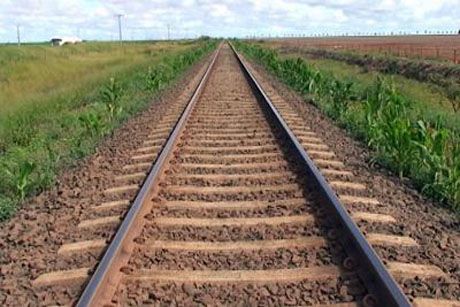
{"points": [[45, 71], [404, 141], [81, 97], [33, 84]]}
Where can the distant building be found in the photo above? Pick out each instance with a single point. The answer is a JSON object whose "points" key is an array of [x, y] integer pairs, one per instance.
{"points": [[59, 41]]}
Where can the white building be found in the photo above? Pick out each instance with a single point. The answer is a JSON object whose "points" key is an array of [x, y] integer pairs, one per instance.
{"points": [[59, 41]]}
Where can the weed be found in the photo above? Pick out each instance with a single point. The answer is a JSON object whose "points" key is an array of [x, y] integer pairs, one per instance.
{"points": [[453, 94], [156, 79], [7, 207], [93, 123]]}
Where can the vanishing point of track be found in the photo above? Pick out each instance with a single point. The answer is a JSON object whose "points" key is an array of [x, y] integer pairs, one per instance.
{"points": [[234, 210]]}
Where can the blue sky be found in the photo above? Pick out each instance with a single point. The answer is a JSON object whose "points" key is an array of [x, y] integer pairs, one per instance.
{"points": [[39, 20]]}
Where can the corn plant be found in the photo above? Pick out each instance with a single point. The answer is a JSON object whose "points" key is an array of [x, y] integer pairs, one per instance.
{"points": [[316, 83], [111, 94], [438, 161], [341, 95], [390, 128], [396, 144], [21, 178]]}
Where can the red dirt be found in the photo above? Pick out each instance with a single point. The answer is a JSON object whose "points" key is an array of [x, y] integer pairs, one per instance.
{"points": [[446, 47]]}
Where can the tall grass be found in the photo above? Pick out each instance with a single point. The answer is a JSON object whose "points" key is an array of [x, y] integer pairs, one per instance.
{"points": [[40, 136], [31, 73], [425, 151]]}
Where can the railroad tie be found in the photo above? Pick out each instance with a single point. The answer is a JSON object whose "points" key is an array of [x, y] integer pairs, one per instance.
{"points": [[219, 222], [373, 217], [131, 176], [329, 163], [230, 205], [225, 276], [122, 189], [61, 277], [111, 205], [137, 166], [352, 200], [194, 246], [230, 189], [390, 240], [107, 220], [148, 156], [82, 246], [148, 149]]}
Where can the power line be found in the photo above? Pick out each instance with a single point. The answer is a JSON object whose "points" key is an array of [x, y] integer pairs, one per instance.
{"points": [[169, 28]]}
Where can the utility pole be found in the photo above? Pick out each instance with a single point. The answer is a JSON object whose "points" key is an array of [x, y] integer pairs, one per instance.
{"points": [[18, 33], [169, 29], [120, 36]]}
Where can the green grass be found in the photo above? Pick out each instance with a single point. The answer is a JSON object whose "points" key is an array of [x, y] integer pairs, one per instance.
{"points": [[56, 108], [31, 73], [428, 100], [34, 87], [393, 125]]}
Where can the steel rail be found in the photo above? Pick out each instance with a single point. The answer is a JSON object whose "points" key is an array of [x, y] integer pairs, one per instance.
{"points": [[100, 276], [376, 277]]}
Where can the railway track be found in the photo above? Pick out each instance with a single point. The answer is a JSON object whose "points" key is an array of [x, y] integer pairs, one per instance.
{"points": [[234, 211]]}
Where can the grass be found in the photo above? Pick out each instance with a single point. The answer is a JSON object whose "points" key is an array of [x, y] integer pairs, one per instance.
{"points": [[58, 103], [403, 140], [45, 71], [428, 100]]}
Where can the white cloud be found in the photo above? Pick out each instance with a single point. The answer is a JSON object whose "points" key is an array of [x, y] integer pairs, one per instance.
{"points": [[220, 10], [94, 19]]}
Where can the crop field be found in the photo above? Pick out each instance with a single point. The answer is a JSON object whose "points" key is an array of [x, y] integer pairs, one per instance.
{"points": [[57, 103], [441, 47], [412, 126], [434, 88]]}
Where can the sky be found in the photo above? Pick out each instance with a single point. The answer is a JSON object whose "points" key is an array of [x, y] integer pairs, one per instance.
{"points": [[39, 20]]}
